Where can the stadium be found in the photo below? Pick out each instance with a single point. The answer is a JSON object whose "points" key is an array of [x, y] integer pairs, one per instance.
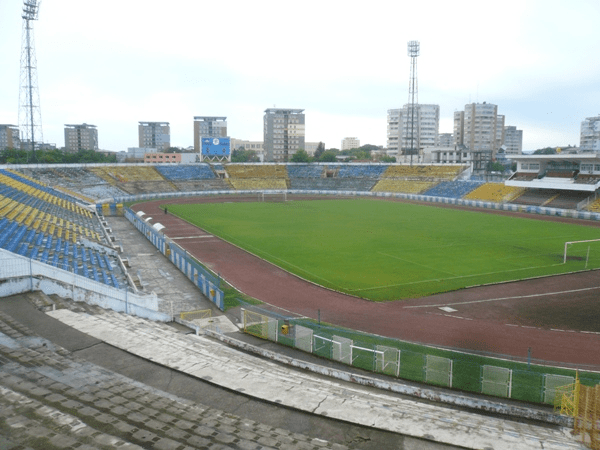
{"points": [[475, 309]]}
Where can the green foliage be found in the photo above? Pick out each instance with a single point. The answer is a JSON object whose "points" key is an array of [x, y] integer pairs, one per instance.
{"points": [[300, 156], [328, 156], [387, 159], [319, 151], [392, 250], [54, 156], [545, 151], [241, 155], [495, 167]]}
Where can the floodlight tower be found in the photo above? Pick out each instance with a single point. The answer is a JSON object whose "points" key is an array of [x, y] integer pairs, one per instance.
{"points": [[30, 116], [413, 91]]}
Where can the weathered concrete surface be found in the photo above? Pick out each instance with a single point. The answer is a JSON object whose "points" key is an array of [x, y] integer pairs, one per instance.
{"points": [[203, 358]]}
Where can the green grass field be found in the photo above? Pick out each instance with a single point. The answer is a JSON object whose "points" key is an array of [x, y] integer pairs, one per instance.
{"points": [[384, 250]]}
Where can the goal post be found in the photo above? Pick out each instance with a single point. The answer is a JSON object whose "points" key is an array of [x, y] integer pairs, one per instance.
{"points": [[587, 248], [273, 197]]}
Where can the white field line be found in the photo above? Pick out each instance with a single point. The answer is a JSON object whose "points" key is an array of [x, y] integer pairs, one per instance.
{"points": [[508, 298]]}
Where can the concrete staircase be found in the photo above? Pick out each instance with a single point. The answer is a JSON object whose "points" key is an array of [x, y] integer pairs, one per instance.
{"points": [[207, 359]]}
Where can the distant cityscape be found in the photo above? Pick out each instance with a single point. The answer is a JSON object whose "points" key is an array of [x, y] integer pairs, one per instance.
{"points": [[480, 135]]}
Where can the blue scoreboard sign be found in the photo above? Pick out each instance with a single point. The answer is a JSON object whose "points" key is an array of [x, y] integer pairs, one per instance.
{"points": [[216, 146]]}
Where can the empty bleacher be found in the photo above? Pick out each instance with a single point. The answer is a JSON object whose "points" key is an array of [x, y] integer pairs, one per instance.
{"points": [[263, 176], [567, 199], [536, 197], [185, 172], [453, 189], [135, 179], [79, 180], [494, 192], [403, 186], [44, 225]]}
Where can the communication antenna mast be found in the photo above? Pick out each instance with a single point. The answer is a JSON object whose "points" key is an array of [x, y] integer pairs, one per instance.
{"points": [[413, 92], [30, 116]]}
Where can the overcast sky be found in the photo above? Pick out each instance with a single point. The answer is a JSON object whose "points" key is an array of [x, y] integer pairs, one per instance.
{"points": [[113, 63]]}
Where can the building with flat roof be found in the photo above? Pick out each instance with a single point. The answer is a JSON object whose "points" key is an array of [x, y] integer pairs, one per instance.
{"points": [[9, 136], [513, 140], [349, 143], [589, 140], [154, 135], [284, 133], [408, 129], [82, 137]]}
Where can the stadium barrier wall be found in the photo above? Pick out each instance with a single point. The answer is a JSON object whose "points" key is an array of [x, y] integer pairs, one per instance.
{"points": [[434, 395], [540, 210], [481, 374], [19, 274], [206, 281]]}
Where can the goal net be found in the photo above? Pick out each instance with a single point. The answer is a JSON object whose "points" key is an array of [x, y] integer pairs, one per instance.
{"points": [[583, 254], [275, 197]]}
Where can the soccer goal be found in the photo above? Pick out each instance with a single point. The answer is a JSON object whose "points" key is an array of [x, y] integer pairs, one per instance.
{"points": [[274, 197], [588, 251]]}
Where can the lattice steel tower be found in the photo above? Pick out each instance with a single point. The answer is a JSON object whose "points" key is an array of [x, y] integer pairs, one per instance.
{"points": [[413, 92], [30, 116]]}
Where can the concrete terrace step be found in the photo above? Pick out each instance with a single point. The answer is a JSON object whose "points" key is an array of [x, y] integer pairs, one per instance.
{"points": [[51, 399], [232, 369]]}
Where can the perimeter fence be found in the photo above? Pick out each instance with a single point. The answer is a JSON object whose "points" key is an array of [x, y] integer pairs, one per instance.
{"points": [[533, 383]]}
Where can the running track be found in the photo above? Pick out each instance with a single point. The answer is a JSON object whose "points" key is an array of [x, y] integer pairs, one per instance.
{"points": [[508, 323]]}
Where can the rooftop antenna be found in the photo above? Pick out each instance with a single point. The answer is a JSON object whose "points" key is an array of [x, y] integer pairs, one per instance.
{"points": [[413, 95], [30, 117]]}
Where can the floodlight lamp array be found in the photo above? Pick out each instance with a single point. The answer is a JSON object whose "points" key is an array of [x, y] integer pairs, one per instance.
{"points": [[30, 9], [413, 49]]}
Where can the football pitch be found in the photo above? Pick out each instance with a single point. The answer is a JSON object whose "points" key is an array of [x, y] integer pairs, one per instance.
{"points": [[384, 250]]}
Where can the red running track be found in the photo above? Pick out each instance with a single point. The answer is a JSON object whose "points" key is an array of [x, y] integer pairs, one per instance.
{"points": [[556, 317]]}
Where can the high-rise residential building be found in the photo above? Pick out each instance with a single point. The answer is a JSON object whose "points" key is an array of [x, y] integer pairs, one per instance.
{"points": [[284, 133], [208, 126], [9, 137], [590, 135], [155, 135], [349, 143], [513, 140], [408, 129], [445, 140], [81, 138], [477, 127]]}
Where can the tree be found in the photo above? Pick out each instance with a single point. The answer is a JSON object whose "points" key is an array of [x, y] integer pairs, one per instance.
{"points": [[387, 159], [241, 155], [300, 156], [328, 156], [545, 151], [319, 151]]}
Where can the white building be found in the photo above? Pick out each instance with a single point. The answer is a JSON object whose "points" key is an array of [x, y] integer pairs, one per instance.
{"points": [[349, 143], [590, 135], [408, 129], [513, 140]]}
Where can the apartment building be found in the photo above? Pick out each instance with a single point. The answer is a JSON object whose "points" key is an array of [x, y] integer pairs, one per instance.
{"points": [[513, 140], [446, 139], [9, 136], [208, 126], [412, 129], [590, 135], [155, 135], [80, 138], [349, 143], [284, 133]]}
